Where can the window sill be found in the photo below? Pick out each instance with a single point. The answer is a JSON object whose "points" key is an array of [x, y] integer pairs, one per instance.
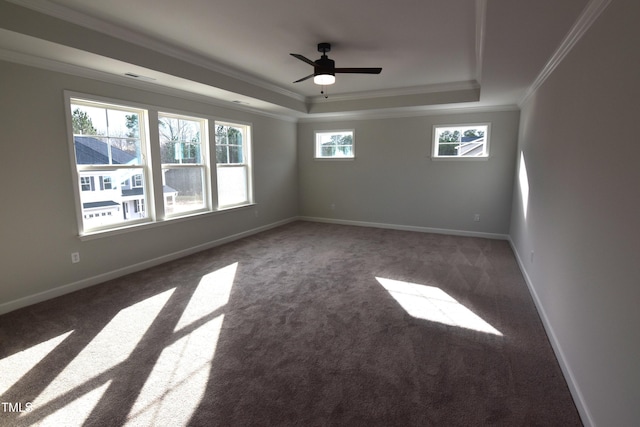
{"points": [[460, 159], [97, 234]]}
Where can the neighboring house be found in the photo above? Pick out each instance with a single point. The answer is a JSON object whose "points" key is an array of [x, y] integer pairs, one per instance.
{"points": [[111, 196]]}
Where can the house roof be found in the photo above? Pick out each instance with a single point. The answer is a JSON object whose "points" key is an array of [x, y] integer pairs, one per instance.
{"points": [[93, 151], [101, 204]]}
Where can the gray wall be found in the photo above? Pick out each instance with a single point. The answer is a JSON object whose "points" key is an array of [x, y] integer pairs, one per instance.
{"points": [[581, 147], [37, 219], [394, 181]]}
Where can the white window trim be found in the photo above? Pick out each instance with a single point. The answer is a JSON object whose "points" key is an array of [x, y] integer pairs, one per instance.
{"points": [[80, 98], [204, 166], [435, 145], [316, 146], [247, 150], [154, 205]]}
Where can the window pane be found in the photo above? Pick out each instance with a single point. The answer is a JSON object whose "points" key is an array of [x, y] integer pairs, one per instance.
{"points": [[462, 141], [334, 144], [449, 135], [106, 136], [448, 150], [232, 185], [183, 189], [344, 150], [328, 151], [235, 154], [114, 203], [180, 140], [229, 144]]}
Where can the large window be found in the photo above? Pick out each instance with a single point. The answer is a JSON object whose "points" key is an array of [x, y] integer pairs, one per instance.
{"points": [[121, 179], [337, 144], [233, 161], [184, 163], [461, 141], [110, 150]]}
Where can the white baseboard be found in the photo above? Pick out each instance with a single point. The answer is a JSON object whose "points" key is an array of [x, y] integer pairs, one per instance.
{"points": [[90, 281], [84, 283], [407, 228], [578, 398]]}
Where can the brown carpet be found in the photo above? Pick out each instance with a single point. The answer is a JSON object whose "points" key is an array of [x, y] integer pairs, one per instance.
{"points": [[308, 324]]}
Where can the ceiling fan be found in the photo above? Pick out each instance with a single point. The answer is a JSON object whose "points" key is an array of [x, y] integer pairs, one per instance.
{"points": [[324, 69]]}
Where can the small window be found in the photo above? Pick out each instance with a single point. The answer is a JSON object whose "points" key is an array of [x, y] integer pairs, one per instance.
{"points": [[85, 183], [137, 181], [107, 183], [337, 144], [461, 141]]}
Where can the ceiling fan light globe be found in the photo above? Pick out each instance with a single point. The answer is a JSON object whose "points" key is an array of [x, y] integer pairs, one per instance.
{"points": [[324, 79]]}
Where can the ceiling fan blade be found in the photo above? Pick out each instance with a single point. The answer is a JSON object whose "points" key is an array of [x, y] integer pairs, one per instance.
{"points": [[303, 59], [358, 70], [304, 78]]}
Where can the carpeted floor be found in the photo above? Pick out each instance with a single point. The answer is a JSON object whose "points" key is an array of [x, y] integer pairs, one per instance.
{"points": [[308, 324]]}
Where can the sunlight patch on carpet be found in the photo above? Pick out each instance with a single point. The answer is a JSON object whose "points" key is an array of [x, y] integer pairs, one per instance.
{"points": [[75, 412], [14, 367], [113, 345], [179, 378], [433, 304]]}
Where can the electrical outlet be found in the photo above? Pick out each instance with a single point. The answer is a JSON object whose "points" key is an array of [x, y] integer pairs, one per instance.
{"points": [[75, 257], [531, 256], [476, 217], [333, 206]]}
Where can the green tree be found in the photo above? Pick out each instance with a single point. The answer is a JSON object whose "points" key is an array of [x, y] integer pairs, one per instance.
{"points": [[474, 133], [448, 149], [448, 136], [132, 125], [82, 124], [338, 144], [228, 144]]}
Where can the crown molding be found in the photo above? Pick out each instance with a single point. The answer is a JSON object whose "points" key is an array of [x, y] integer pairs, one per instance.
{"points": [[66, 14], [75, 70], [588, 16], [404, 91], [293, 116], [481, 22], [396, 113]]}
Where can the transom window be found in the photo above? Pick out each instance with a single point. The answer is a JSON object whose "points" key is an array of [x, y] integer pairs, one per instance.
{"points": [[461, 141], [337, 144]]}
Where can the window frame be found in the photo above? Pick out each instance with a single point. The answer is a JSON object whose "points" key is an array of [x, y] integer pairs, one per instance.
{"points": [[96, 169], [154, 203], [317, 144], [246, 162], [435, 144], [204, 166]]}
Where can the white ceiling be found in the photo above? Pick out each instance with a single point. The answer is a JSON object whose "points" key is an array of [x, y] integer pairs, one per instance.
{"points": [[450, 48]]}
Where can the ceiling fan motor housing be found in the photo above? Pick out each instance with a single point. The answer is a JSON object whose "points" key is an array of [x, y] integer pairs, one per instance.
{"points": [[324, 65]]}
